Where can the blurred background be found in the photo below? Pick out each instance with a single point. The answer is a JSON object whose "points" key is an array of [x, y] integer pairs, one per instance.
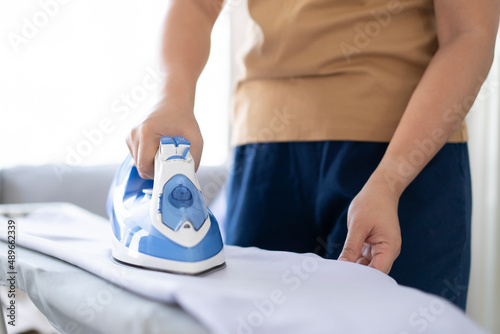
{"points": [[76, 76]]}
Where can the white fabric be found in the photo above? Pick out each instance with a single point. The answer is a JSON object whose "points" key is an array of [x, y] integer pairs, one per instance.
{"points": [[258, 292]]}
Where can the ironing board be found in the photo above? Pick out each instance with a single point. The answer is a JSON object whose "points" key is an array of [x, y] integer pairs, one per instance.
{"points": [[259, 291], [39, 273]]}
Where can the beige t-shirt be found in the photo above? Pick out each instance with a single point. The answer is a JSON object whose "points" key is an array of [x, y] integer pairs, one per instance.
{"points": [[332, 69]]}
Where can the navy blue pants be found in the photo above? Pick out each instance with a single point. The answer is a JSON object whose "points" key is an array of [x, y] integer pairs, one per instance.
{"points": [[295, 196]]}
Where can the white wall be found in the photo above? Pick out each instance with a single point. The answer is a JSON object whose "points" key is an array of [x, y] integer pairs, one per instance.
{"points": [[67, 67], [484, 147]]}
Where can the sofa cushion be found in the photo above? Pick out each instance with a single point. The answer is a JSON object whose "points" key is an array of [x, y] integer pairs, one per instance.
{"points": [[85, 186]]}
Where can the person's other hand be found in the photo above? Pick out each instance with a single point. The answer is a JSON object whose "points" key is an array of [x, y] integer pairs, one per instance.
{"points": [[144, 139], [374, 235]]}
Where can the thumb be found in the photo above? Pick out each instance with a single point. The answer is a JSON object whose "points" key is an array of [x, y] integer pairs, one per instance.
{"points": [[353, 245], [145, 156]]}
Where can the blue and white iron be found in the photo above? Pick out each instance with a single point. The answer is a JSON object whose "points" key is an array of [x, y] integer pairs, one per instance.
{"points": [[164, 224]]}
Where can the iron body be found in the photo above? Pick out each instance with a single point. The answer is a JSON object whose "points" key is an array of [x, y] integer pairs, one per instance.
{"points": [[164, 224]]}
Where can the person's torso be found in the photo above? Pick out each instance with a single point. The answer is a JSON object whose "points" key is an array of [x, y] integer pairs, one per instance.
{"points": [[345, 69]]}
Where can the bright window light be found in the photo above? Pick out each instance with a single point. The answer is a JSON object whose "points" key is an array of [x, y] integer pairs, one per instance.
{"points": [[76, 76]]}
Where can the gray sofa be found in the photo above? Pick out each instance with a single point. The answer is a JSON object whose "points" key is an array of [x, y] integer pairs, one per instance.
{"points": [[85, 186], [88, 187]]}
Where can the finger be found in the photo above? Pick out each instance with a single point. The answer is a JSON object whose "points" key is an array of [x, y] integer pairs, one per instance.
{"points": [[366, 255], [132, 147], [196, 156], [145, 159], [353, 245], [363, 260], [196, 140], [383, 258]]}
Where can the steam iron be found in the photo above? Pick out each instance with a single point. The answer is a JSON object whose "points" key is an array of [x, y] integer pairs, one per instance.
{"points": [[164, 224]]}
